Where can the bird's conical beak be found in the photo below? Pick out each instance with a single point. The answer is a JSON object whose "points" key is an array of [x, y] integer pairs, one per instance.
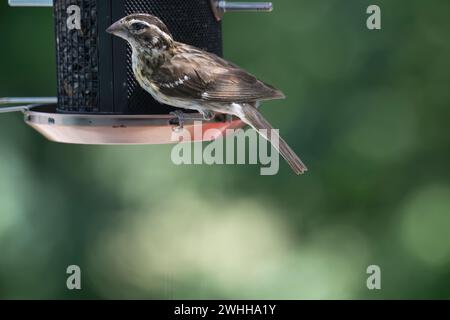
{"points": [[117, 29]]}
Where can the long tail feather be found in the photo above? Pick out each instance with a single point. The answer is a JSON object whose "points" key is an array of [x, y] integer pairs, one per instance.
{"points": [[254, 118]]}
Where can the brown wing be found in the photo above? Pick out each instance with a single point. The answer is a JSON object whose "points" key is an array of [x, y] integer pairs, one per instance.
{"points": [[194, 74]]}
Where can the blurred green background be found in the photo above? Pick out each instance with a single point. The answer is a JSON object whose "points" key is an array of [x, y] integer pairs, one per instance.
{"points": [[368, 112]]}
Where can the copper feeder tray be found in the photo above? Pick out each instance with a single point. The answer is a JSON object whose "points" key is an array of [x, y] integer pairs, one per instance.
{"points": [[108, 129]]}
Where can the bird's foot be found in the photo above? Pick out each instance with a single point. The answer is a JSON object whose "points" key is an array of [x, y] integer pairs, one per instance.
{"points": [[181, 118], [208, 115]]}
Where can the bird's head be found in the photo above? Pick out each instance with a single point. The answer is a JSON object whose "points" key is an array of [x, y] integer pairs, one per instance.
{"points": [[142, 31]]}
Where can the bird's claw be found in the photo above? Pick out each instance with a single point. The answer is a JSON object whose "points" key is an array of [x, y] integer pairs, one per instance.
{"points": [[181, 118], [208, 115]]}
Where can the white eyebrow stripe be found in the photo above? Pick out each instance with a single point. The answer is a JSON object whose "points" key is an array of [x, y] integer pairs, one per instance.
{"points": [[140, 21], [167, 37]]}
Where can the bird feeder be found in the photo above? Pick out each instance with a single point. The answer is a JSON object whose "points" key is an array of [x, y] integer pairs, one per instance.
{"points": [[98, 99]]}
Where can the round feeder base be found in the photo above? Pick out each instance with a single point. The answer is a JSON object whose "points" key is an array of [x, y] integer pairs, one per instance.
{"points": [[109, 129]]}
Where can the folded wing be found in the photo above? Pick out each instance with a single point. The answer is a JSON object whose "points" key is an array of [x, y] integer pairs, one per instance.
{"points": [[202, 76]]}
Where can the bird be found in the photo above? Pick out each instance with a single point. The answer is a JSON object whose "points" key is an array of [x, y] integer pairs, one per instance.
{"points": [[186, 77]]}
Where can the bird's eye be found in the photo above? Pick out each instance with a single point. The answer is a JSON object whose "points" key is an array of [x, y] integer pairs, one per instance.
{"points": [[138, 26]]}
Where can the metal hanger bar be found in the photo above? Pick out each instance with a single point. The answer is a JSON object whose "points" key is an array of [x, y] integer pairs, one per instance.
{"points": [[220, 7], [30, 3], [246, 6], [23, 104], [16, 109], [31, 100]]}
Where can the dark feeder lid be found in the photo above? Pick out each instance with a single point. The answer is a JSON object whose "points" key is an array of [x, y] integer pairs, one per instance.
{"points": [[117, 129]]}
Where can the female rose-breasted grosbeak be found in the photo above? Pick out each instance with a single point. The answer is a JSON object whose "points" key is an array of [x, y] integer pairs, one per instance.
{"points": [[183, 76]]}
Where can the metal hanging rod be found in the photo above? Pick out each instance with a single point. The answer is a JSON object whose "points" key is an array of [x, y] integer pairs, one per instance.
{"points": [[23, 104], [220, 7], [32, 100], [30, 3]]}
